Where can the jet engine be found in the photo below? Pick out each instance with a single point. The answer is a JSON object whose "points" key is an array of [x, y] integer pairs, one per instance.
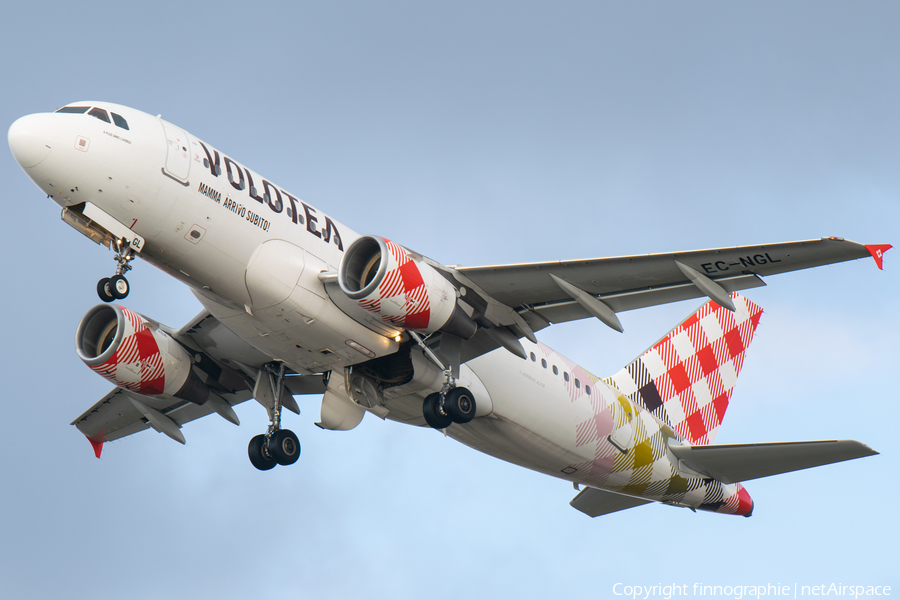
{"points": [[136, 355], [390, 289]]}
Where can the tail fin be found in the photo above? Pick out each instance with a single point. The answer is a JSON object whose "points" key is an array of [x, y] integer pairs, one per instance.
{"points": [[687, 377]]}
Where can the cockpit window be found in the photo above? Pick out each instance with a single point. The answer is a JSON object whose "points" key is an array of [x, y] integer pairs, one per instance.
{"points": [[74, 109], [118, 120], [100, 114]]}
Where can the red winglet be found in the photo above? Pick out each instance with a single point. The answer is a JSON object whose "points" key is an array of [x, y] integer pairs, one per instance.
{"points": [[98, 447], [877, 252]]}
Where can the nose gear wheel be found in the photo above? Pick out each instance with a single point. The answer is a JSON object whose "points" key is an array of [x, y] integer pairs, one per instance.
{"points": [[117, 287]]}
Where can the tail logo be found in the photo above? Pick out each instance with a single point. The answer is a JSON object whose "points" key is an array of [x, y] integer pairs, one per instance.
{"points": [[686, 379]]}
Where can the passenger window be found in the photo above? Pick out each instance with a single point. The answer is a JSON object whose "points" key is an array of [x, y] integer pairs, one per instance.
{"points": [[555, 370], [100, 114], [533, 357], [587, 390], [566, 375], [80, 110], [577, 384], [119, 121], [544, 363]]}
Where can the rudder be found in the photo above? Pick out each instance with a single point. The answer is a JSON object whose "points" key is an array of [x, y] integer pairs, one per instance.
{"points": [[687, 377]]}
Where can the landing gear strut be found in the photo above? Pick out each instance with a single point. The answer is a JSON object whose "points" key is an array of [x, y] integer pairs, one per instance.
{"points": [[117, 287], [277, 446]]}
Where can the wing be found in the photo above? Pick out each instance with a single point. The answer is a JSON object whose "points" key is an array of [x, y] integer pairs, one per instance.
{"points": [[223, 361], [121, 413], [630, 282], [513, 301]]}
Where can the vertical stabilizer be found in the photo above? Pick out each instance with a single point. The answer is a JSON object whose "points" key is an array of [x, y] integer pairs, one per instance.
{"points": [[687, 377]]}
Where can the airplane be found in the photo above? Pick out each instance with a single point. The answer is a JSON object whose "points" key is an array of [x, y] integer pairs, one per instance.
{"points": [[297, 303]]}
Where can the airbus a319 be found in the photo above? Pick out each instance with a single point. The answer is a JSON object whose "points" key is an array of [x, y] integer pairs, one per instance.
{"points": [[297, 303]]}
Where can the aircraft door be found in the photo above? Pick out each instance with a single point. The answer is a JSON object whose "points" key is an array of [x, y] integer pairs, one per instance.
{"points": [[178, 156]]}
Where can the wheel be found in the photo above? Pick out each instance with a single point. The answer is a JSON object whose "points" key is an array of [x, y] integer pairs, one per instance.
{"points": [[103, 290], [118, 286], [284, 447], [460, 405], [259, 454], [434, 416]]}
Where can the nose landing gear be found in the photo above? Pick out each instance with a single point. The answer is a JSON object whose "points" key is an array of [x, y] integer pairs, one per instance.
{"points": [[117, 287], [277, 446]]}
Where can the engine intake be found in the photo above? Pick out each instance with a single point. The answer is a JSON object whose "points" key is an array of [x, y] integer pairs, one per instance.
{"points": [[119, 345], [389, 289], [362, 268]]}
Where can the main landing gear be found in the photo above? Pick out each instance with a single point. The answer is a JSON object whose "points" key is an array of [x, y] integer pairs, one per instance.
{"points": [[277, 446], [452, 404], [455, 405], [280, 448], [117, 287]]}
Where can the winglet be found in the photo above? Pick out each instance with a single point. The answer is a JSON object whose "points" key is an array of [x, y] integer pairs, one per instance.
{"points": [[98, 447], [877, 251]]}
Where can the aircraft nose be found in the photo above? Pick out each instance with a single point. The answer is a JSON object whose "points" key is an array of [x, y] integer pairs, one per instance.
{"points": [[31, 138]]}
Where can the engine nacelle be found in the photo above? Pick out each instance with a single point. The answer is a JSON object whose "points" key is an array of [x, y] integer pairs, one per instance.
{"points": [[121, 346], [390, 290]]}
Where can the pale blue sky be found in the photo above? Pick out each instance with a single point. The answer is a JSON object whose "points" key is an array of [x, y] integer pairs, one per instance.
{"points": [[474, 133]]}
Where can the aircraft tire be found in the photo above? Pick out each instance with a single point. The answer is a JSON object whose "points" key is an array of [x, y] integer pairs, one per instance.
{"points": [[259, 454], [103, 290], [118, 287], [284, 447], [432, 413], [460, 405]]}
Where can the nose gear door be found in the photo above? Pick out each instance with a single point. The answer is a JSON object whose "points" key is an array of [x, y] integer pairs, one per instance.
{"points": [[178, 157]]}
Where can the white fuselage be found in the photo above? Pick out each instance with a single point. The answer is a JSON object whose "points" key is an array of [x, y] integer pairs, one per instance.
{"points": [[252, 254]]}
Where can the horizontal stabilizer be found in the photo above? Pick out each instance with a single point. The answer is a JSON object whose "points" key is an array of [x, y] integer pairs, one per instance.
{"points": [[594, 502], [731, 463]]}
